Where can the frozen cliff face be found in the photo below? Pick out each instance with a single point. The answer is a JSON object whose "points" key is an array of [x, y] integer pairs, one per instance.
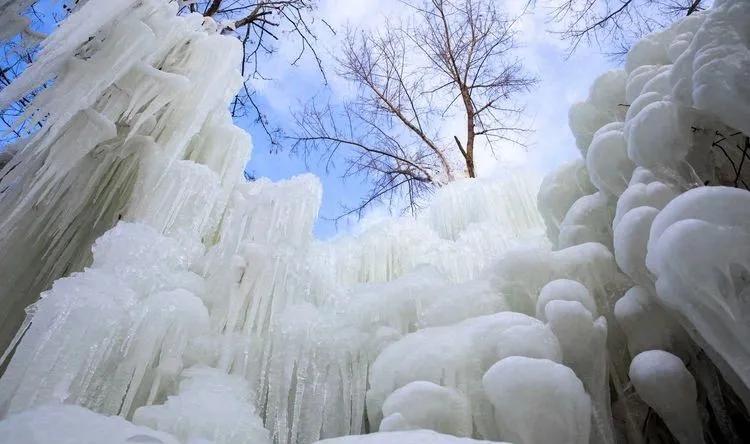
{"points": [[680, 243], [200, 308], [117, 142], [207, 310]]}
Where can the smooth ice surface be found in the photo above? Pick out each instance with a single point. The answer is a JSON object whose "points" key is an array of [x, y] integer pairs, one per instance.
{"points": [[564, 290], [425, 405], [646, 324], [708, 289], [538, 401], [607, 160], [587, 220], [454, 356], [663, 382], [558, 191]]}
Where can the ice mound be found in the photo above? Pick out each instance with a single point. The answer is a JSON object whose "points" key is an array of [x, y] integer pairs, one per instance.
{"points": [[425, 405], [538, 401]]}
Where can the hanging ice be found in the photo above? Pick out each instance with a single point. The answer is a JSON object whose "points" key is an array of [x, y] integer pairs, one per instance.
{"points": [[200, 308]]}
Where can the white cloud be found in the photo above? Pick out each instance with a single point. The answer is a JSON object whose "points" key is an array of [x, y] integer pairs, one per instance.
{"points": [[562, 82]]}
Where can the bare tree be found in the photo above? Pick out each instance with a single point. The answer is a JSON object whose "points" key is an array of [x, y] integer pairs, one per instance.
{"points": [[16, 52], [258, 24], [454, 59], [614, 25]]}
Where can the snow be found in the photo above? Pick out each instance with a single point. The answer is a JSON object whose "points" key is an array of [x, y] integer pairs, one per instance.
{"points": [[200, 308], [71, 424], [411, 437]]}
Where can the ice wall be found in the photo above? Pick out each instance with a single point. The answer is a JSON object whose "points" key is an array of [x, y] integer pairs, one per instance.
{"points": [[664, 143], [199, 307], [117, 142], [178, 287]]}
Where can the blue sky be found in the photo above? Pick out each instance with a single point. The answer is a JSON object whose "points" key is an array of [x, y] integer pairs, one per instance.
{"points": [[563, 81]]}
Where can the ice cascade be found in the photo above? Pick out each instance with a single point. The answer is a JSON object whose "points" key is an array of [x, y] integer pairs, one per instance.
{"points": [[151, 294]]}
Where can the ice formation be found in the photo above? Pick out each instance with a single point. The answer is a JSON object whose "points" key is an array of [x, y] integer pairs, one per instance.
{"points": [[537, 401], [665, 384], [71, 424], [181, 304], [425, 405], [653, 136], [415, 437]]}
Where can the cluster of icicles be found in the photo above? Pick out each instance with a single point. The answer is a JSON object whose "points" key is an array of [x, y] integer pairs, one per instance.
{"points": [[189, 306]]}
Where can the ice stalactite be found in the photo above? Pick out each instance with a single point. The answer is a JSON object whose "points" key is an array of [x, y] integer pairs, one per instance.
{"points": [[115, 138], [201, 308]]}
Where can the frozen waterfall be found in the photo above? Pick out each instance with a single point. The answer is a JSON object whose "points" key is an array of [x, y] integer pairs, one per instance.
{"points": [[150, 294]]}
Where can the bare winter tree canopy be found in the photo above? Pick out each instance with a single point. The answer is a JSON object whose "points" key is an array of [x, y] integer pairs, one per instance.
{"points": [[614, 25], [259, 24], [454, 59]]}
